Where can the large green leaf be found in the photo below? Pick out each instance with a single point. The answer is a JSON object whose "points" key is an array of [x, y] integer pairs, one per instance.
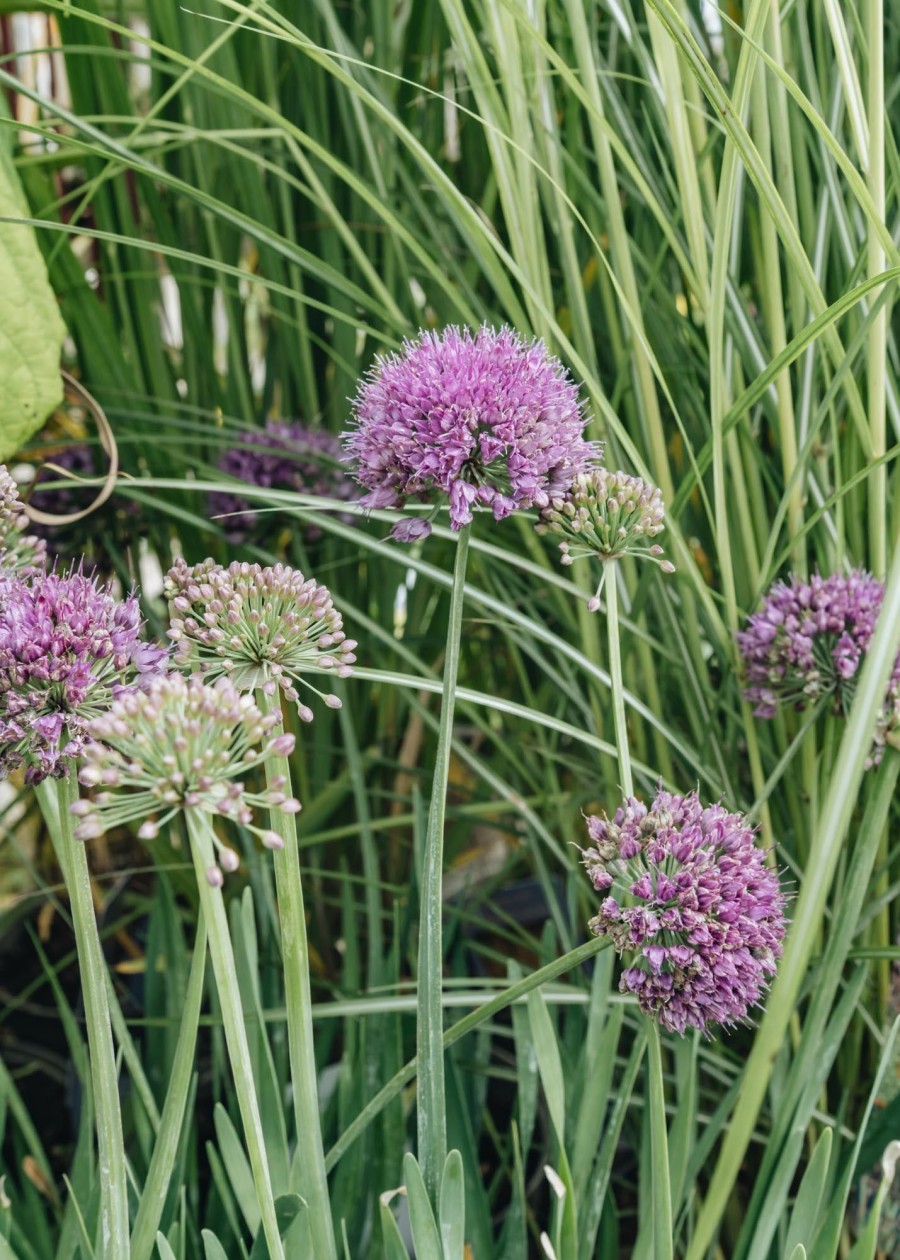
{"points": [[31, 328]]}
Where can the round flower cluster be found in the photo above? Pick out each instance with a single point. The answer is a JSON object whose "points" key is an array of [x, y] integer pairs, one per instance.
{"points": [[807, 643], [487, 419], [689, 900], [283, 456], [264, 628], [20, 553], [606, 515], [67, 648], [181, 745]]}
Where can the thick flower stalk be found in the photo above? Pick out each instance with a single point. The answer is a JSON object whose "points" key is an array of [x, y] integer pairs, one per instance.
{"points": [[269, 629], [689, 901], [606, 515], [286, 455], [263, 628], [182, 746], [807, 643], [20, 553], [490, 419], [67, 648]]}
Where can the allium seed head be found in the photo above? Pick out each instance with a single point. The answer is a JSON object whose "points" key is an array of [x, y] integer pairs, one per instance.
{"points": [[489, 419], [283, 456], [68, 648], [264, 628], [807, 644], [689, 901], [20, 553], [176, 746], [606, 515]]}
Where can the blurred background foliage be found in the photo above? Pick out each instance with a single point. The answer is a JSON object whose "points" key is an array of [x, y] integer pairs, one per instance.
{"points": [[238, 209]]}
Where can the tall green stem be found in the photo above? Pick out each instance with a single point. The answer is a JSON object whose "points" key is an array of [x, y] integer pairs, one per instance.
{"points": [[56, 797], [876, 374], [659, 1147], [225, 971], [432, 1118], [298, 1000], [615, 679], [656, 1097], [876, 261], [165, 1149]]}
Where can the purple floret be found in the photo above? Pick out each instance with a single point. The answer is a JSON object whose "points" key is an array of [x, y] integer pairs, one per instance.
{"points": [[283, 456], [67, 649], [489, 419], [690, 903]]}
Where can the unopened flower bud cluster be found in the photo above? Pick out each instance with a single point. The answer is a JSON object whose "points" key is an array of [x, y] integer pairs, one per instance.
{"points": [[606, 515], [21, 554], [262, 627], [181, 745]]}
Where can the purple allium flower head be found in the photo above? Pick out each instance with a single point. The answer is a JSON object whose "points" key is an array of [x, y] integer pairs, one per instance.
{"points": [[807, 643], [606, 515], [488, 419], [283, 456], [266, 628], [68, 647], [20, 553], [690, 901], [179, 744]]}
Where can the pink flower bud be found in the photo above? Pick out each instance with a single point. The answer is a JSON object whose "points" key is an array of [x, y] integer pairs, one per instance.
{"points": [[214, 877]]}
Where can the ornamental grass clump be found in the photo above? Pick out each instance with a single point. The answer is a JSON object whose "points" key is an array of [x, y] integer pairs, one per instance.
{"points": [[20, 553], [286, 455], [689, 901], [606, 515], [68, 647], [491, 420], [265, 628], [806, 646], [181, 745]]}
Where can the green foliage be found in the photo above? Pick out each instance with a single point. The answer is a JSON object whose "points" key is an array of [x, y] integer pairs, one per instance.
{"points": [[33, 331], [699, 224]]}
